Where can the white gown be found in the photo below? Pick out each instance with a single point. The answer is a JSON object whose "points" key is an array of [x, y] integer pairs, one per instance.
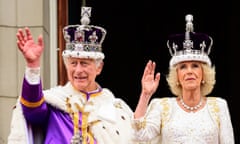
{"points": [[166, 123]]}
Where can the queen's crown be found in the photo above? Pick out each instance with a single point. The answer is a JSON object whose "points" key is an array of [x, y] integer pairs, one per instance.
{"points": [[189, 46]]}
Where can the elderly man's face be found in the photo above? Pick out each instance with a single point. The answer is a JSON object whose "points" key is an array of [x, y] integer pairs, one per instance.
{"points": [[82, 73]]}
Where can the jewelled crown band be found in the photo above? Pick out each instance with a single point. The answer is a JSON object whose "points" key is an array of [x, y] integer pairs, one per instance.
{"points": [[189, 46], [84, 41]]}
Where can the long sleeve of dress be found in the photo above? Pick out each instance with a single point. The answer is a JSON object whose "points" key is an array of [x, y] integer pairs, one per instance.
{"points": [[225, 124], [148, 127]]}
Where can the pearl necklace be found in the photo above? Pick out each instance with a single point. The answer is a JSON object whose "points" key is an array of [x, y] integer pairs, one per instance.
{"points": [[189, 107]]}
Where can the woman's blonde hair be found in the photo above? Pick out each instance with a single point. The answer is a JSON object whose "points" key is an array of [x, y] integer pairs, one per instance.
{"points": [[207, 85]]}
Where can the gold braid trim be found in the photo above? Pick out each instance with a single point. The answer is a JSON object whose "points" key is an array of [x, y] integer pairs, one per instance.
{"points": [[76, 122], [141, 124], [31, 104], [89, 133], [165, 111], [76, 109], [86, 134], [84, 126], [214, 109]]}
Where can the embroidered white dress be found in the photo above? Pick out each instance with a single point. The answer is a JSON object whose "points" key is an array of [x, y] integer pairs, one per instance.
{"points": [[166, 123]]}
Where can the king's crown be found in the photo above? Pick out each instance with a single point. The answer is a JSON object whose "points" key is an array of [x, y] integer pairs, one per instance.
{"points": [[84, 41]]}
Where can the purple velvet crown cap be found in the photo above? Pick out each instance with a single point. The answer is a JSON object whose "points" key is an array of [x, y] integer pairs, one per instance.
{"points": [[84, 41], [196, 38], [189, 46]]}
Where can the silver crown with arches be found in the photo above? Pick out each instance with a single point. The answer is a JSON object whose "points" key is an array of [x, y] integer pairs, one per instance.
{"points": [[189, 46], [84, 41]]}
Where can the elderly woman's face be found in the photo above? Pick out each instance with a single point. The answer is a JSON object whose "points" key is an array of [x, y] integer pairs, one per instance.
{"points": [[190, 74]]}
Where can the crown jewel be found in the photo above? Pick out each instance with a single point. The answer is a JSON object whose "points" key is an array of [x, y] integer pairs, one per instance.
{"points": [[84, 41], [190, 46]]}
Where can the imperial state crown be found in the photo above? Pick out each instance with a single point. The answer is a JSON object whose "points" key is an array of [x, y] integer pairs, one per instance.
{"points": [[84, 41]]}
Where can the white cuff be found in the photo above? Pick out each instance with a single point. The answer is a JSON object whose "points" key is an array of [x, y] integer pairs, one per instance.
{"points": [[32, 75]]}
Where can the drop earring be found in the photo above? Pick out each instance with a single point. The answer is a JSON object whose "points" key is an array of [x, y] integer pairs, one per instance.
{"points": [[177, 83]]}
